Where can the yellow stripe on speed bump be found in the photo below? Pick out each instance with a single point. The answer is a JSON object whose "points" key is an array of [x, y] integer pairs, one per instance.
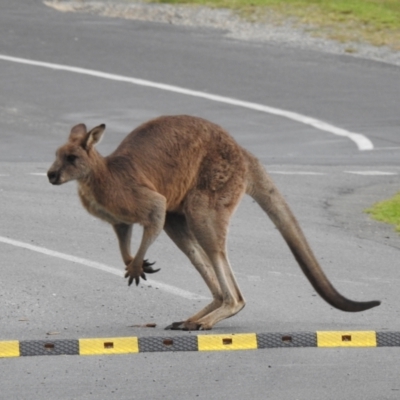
{"points": [[9, 349], [108, 346], [346, 339], [246, 341]]}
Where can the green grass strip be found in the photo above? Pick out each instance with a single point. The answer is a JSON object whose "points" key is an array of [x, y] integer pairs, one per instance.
{"points": [[387, 211], [373, 21]]}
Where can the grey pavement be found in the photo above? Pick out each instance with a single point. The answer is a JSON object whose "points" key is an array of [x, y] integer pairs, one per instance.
{"points": [[327, 181]]}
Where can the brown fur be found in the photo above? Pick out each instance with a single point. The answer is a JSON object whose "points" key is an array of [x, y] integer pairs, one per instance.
{"points": [[185, 175]]}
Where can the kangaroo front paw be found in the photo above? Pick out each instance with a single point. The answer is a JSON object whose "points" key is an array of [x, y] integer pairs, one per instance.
{"points": [[135, 271], [134, 274]]}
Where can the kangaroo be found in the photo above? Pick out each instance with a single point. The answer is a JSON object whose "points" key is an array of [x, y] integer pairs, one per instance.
{"points": [[185, 175]]}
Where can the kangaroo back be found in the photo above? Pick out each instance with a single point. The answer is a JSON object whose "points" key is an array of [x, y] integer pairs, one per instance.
{"points": [[262, 189]]}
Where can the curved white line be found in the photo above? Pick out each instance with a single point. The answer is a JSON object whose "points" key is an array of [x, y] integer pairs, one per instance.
{"points": [[362, 142], [310, 173], [372, 173], [102, 267]]}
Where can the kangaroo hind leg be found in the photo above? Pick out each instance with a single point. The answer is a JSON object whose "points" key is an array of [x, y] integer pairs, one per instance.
{"points": [[208, 220], [177, 229]]}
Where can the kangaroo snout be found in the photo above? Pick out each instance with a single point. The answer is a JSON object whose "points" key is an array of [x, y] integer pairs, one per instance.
{"points": [[54, 177]]}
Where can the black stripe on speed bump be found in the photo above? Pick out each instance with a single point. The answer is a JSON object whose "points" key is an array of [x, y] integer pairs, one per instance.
{"points": [[48, 347]]}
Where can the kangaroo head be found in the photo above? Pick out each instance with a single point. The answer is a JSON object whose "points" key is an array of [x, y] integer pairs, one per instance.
{"points": [[75, 159]]}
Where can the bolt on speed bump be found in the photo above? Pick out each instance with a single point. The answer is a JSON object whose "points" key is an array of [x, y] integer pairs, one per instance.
{"points": [[204, 342]]}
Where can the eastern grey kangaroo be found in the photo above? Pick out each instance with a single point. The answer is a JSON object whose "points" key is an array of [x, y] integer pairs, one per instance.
{"points": [[185, 175]]}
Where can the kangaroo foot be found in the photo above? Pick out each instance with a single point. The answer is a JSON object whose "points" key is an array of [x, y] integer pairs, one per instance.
{"points": [[184, 326]]}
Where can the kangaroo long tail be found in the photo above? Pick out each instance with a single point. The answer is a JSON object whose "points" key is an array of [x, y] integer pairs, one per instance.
{"points": [[266, 194]]}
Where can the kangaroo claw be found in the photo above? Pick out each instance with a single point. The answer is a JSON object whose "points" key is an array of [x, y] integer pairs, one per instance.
{"points": [[148, 269], [175, 326], [184, 326]]}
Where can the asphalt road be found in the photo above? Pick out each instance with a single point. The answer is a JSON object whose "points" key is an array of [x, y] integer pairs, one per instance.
{"points": [[327, 180]]}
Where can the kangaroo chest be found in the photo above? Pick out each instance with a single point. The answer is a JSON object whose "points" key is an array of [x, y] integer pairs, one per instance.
{"points": [[93, 206]]}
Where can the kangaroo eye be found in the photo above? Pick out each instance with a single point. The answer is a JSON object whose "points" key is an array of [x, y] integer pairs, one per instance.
{"points": [[71, 158]]}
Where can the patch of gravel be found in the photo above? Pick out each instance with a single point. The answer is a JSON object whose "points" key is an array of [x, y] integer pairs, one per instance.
{"points": [[272, 29]]}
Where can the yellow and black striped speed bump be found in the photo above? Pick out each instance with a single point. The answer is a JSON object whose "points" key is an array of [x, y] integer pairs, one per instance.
{"points": [[221, 342]]}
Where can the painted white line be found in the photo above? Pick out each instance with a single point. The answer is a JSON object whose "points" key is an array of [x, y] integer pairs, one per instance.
{"points": [[102, 267], [387, 148], [362, 142], [38, 173], [296, 173], [371, 173]]}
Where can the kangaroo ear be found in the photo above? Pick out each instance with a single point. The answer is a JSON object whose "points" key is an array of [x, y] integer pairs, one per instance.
{"points": [[78, 132], [94, 136]]}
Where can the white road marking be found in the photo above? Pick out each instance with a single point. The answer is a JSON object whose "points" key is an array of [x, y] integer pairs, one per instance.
{"points": [[371, 173], [387, 148], [102, 267], [38, 173], [362, 142], [296, 173]]}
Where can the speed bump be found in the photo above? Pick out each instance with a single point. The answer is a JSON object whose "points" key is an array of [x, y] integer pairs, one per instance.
{"points": [[346, 339], [176, 343], [246, 341], [108, 346], [388, 339], [48, 347], [284, 339], [203, 342], [9, 349]]}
